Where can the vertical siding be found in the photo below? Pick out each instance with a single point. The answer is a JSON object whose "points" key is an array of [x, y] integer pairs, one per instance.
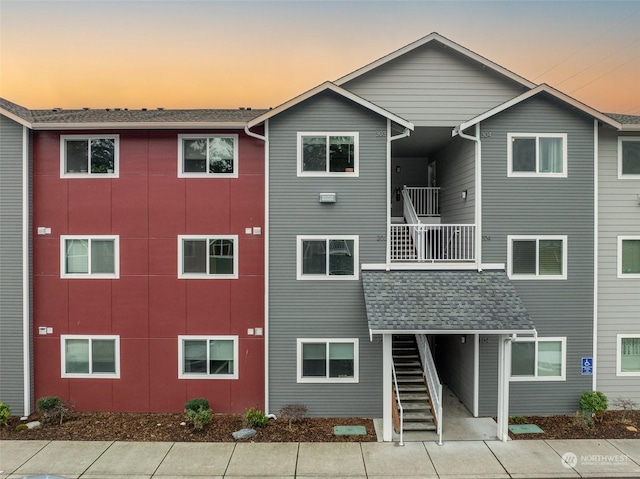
{"points": [[454, 361], [618, 299], [540, 206], [434, 86], [323, 309], [11, 266]]}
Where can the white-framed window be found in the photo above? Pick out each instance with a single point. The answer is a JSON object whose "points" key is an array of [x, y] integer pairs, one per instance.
{"points": [[208, 155], [322, 360], [537, 154], [89, 156], [90, 356], [328, 154], [208, 357], [89, 256], [629, 157], [628, 256], [538, 359], [208, 256], [628, 355], [537, 257], [327, 257]]}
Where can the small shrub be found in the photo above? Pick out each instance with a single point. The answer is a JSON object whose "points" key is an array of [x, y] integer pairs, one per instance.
{"points": [[254, 417], [582, 419], [5, 413], [196, 403], [22, 427], [293, 412], [518, 420], [594, 403], [200, 417], [53, 406]]}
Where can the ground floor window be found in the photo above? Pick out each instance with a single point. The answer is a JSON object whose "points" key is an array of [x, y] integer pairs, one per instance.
{"points": [[90, 356], [628, 357], [327, 360], [208, 357], [538, 359]]}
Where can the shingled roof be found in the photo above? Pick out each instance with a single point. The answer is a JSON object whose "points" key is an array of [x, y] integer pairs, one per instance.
{"points": [[443, 301], [625, 119]]}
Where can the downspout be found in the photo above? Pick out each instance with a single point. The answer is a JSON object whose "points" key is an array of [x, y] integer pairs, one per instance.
{"points": [[478, 205], [26, 274], [404, 134], [596, 253]]}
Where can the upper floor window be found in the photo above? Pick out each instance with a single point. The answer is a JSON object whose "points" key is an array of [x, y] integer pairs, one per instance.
{"points": [[334, 154], [541, 358], [201, 156], [628, 256], [327, 257], [629, 157], [533, 154], [90, 356], [537, 257], [208, 256], [208, 357], [327, 360], [93, 256], [89, 156], [628, 357]]}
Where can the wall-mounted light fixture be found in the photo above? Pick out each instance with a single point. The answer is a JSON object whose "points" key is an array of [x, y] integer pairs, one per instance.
{"points": [[398, 169], [464, 195], [327, 198]]}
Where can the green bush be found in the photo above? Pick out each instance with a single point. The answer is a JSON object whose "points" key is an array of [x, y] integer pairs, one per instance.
{"points": [[53, 406], [5, 413], [196, 403], [22, 427], [254, 417], [199, 417], [594, 403]]}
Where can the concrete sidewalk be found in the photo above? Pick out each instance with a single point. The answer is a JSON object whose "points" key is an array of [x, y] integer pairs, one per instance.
{"points": [[455, 459]]}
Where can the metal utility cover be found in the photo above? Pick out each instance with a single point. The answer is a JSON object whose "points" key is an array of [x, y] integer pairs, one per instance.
{"points": [[525, 429], [349, 431]]}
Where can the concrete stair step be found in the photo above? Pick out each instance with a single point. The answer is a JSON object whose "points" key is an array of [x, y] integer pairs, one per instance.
{"points": [[409, 388], [413, 396], [418, 416], [411, 380], [405, 371], [419, 426], [416, 407]]}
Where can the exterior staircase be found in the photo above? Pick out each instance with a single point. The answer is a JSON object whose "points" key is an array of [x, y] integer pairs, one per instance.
{"points": [[411, 385]]}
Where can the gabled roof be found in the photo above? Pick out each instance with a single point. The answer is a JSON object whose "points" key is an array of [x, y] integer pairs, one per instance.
{"points": [[15, 112], [628, 122], [328, 86], [436, 38], [543, 88]]}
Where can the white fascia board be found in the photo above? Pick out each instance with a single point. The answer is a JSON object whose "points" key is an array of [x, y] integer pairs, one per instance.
{"points": [[16, 118], [340, 91], [148, 125], [443, 41], [630, 127], [517, 332], [525, 96]]}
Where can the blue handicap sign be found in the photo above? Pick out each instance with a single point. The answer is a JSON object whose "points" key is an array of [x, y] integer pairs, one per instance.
{"points": [[587, 365]]}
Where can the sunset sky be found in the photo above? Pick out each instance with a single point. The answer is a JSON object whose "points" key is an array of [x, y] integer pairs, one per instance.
{"points": [[223, 54]]}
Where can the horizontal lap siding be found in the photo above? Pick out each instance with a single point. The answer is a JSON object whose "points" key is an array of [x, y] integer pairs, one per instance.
{"points": [[11, 266], [434, 86], [544, 206], [618, 299], [323, 309], [455, 169]]}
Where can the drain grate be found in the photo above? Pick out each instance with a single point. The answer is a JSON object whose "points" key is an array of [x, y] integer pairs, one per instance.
{"points": [[349, 431]]}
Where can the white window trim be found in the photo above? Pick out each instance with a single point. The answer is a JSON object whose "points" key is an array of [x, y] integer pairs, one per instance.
{"points": [[619, 339], [63, 349], [116, 257], [327, 276], [536, 136], [562, 377], [537, 238], [620, 274], [622, 176], [88, 174], [206, 174], [356, 154], [236, 253], [183, 375], [327, 341]]}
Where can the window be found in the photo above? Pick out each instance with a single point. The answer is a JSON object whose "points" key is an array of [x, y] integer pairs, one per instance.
{"points": [[629, 157], [89, 156], [90, 356], [89, 257], [208, 156], [327, 257], [628, 256], [537, 154], [537, 257], [208, 357], [327, 360], [538, 359], [208, 257], [628, 356], [334, 154]]}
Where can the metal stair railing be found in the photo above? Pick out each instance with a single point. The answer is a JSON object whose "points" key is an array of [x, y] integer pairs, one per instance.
{"points": [[433, 382]]}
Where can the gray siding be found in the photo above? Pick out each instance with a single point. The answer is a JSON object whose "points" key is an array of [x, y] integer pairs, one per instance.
{"points": [[434, 86], [618, 299], [11, 266], [538, 206], [413, 172], [323, 309], [454, 361]]}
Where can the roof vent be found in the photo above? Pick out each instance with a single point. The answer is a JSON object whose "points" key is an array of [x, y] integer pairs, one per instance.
{"points": [[57, 109], [143, 109], [117, 109], [85, 108], [248, 108], [241, 108], [160, 108], [108, 109]]}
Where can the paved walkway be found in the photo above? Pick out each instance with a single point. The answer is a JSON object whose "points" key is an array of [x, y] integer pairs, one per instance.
{"points": [[455, 459]]}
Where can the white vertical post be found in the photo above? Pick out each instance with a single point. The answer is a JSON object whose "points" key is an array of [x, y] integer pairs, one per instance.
{"points": [[387, 390], [504, 371]]}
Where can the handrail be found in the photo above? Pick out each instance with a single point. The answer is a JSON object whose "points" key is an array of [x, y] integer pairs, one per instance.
{"points": [[425, 199], [395, 384], [433, 382]]}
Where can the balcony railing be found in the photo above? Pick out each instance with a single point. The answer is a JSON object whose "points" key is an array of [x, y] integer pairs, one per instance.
{"points": [[425, 200], [430, 243]]}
